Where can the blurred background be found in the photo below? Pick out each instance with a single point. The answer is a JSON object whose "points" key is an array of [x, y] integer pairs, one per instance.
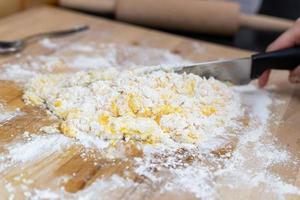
{"points": [[246, 38]]}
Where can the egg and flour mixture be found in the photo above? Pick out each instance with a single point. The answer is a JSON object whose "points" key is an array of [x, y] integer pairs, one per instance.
{"points": [[157, 107]]}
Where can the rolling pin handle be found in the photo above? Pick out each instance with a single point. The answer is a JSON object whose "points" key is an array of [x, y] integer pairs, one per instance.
{"points": [[265, 23], [285, 59]]}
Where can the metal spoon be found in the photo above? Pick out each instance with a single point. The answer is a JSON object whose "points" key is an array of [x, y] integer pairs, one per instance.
{"points": [[17, 45]]}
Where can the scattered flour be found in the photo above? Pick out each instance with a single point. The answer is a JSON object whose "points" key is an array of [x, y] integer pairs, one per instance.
{"points": [[16, 72], [82, 47], [85, 62], [242, 173], [258, 100], [159, 107], [198, 48], [100, 188], [92, 141], [35, 146], [80, 56], [6, 115], [47, 43], [247, 169]]}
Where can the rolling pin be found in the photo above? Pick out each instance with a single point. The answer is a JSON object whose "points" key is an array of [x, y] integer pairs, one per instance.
{"points": [[199, 16], [12, 6]]}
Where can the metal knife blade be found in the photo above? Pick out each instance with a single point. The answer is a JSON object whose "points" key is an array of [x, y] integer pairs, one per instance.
{"points": [[236, 71], [239, 71]]}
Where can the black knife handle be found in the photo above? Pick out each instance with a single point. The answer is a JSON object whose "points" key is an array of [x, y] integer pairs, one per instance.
{"points": [[285, 59]]}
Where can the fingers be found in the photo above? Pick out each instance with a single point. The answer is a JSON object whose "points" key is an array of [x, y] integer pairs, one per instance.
{"points": [[294, 76], [264, 78], [288, 39]]}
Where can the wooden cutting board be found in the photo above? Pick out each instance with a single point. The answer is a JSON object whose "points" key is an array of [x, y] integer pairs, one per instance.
{"points": [[105, 31]]}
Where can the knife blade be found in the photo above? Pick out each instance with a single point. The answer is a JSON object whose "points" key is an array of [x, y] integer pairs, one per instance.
{"points": [[235, 71], [242, 71]]}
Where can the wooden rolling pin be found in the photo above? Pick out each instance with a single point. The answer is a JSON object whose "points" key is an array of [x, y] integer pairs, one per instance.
{"points": [[12, 6], [200, 16]]}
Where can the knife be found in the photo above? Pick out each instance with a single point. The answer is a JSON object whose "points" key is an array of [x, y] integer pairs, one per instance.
{"points": [[242, 71]]}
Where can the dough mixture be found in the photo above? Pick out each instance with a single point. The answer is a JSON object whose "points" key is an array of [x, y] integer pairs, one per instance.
{"points": [[150, 108]]}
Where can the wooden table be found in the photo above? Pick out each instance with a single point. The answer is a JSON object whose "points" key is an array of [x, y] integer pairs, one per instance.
{"points": [[48, 18]]}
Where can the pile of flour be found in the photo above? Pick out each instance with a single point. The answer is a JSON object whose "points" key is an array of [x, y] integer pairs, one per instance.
{"points": [[243, 171]]}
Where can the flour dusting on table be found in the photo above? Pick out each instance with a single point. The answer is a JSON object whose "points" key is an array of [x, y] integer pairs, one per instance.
{"points": [[239, 161], [80, 56], [7, 114]]}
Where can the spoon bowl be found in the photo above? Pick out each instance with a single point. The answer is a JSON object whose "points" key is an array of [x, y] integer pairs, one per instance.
{"points": [[11, 46]]}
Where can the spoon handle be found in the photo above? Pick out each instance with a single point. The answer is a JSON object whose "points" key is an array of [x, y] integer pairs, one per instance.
{"points": [[61, 33]]}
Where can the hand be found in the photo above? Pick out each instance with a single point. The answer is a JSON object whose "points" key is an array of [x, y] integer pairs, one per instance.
{"points": [[288, 39]]}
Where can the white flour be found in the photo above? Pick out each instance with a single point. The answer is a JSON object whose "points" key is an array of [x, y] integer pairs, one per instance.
{"points": [[239, 174], [16, 72], [6, 115], [100, 188], [258, 100], [37, 147], [84, 62], [33, 147], [47, 43], [244, 173], [80, 56], [159, 107]]}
